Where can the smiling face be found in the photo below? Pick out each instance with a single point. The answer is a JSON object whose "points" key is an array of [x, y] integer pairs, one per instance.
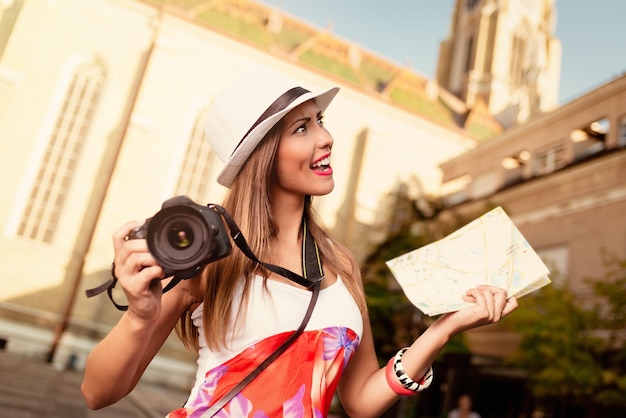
{"points": [[302, 164]]}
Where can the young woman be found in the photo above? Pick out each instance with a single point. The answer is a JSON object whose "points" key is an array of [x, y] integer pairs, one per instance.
{"points": [[270, 134]]}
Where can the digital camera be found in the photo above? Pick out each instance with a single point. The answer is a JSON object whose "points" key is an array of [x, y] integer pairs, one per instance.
{"points": [[184, 236]]}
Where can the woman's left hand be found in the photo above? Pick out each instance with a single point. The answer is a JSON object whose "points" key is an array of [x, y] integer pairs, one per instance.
{"points": [[489, 304]]}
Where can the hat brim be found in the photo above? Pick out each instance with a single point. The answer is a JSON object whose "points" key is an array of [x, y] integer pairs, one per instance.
{"points": [[253, 138]]}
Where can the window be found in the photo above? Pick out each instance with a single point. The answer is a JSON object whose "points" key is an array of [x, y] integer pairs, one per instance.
{"points": [[549, 160], [455, 191], [590, 139], [514, 166], [518, 53], [197, 163], [484, 185], [58, 165], [621, 140], [557, 260], [469, 55]]}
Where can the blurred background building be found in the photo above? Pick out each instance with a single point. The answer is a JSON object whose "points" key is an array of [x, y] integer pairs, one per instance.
{"points": [[505, 55], [562, 178], [101, 118]]}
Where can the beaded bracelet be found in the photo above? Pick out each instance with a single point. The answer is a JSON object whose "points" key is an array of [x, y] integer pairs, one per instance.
{"points": [[401, 383]]}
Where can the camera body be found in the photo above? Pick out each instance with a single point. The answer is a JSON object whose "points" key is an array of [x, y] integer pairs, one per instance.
{"points": [[184, 236]]}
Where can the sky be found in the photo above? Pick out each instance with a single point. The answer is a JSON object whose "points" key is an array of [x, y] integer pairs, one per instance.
{"points": [[592, 34]]}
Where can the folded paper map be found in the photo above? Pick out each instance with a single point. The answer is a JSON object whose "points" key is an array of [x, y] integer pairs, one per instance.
{"points": [[488, 250]]}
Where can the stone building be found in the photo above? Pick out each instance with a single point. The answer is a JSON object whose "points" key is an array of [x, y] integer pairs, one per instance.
{"points": [[101, 109], [504, 54], [561, 177], [101, 115]]}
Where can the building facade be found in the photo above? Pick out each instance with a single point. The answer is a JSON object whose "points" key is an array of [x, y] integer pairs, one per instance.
{"points": [[561, 177], [101, 115], [503, 53]]}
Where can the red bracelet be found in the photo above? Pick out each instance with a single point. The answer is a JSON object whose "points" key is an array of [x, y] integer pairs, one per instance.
{"points": [[394, 383]]}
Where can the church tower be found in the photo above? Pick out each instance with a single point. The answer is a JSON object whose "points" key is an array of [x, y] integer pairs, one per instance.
{"points": [[503, 53]]}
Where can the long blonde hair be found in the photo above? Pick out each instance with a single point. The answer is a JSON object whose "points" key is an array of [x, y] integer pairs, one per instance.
{"points": [[249, 204]]}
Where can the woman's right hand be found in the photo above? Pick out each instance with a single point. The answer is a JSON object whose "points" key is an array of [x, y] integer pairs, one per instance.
{"points": [[138, 274], [116, 363]]}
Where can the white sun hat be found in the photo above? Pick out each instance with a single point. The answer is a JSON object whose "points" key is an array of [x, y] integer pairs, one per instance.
{"points": [[247, 109]]}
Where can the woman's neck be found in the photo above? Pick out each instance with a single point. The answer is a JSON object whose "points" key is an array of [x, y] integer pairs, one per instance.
{"points": [[288, 218]]}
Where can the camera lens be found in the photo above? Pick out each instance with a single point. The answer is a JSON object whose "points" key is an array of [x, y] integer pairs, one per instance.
{"points": [[180, 236]]}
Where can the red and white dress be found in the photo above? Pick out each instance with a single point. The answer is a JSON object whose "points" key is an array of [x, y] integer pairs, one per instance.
{"points": [[302, 381]]}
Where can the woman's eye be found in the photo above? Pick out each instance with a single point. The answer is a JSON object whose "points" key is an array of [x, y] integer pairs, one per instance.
{"points": [[301, 128], [320, 120]]}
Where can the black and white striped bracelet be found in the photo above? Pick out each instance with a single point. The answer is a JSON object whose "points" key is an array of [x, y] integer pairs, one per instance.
{"points": [[405, 380]]}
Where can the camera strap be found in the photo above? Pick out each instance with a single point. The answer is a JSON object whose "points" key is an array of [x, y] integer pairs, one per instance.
{"points": [[217, 406], [311, 279], [313, 275], [311, 263]]}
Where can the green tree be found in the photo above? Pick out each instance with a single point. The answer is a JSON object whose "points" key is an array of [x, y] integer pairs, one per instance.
{"points": [[395, 321], [556, 350], [415, 222], [610, 317], [573, 353]]}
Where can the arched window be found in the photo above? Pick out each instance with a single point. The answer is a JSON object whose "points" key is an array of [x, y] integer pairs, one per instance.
{"points": [[469, 55], [198, 161], [517, 61], [58, 165], [519, 55]]}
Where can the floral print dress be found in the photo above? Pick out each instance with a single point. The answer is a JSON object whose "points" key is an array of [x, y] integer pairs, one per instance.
{"points": [[302, 381]]}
